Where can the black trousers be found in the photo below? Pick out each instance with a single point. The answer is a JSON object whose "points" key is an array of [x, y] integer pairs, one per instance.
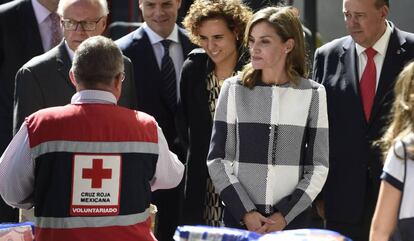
{"points": [[358, 231], [169, 205], [301, 221]]}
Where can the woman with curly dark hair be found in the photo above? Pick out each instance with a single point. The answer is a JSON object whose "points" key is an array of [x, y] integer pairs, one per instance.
{"points": [[218, 27]]}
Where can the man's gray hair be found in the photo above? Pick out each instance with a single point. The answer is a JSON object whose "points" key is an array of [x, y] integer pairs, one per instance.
{"points": [[97, 61], [102, 3]]}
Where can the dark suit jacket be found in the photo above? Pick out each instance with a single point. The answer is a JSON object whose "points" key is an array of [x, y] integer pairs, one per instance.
{"points": [[44, 82], [352, 158], [19, 42], [195, 123], [138, 48]]}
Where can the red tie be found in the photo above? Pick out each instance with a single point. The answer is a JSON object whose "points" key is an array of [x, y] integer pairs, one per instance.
{"points": [[368, 82]]}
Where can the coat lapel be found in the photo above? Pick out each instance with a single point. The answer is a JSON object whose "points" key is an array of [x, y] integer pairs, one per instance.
{"points": [[63, 63], [350, 73], [186, 44], [146, 68], [348, 61], [142, 47], [393, 57]]}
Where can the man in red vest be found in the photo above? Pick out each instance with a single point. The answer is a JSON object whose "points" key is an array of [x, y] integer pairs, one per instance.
{"points": [[89, 167]]}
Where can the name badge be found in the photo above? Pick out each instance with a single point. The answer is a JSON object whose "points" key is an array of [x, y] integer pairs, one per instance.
{"points": [[96, 184]]}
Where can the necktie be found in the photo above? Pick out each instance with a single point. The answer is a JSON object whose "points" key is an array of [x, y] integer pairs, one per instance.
{"points": [[168, 77], [368, 83], [56, 35]]}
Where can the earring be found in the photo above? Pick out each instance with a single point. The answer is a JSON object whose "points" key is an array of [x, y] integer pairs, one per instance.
{"points": [[286, 51]]}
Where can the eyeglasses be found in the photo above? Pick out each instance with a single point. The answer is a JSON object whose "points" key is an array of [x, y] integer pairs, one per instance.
{"points": [[72, 25]]}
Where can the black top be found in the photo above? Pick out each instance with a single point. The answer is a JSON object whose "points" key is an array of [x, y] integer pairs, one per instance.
{"points": [[194, 125]]}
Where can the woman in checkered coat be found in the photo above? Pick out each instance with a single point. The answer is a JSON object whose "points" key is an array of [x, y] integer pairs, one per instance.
{"points": [[268, 155]]}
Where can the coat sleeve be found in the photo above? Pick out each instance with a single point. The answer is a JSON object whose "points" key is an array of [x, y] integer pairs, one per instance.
{"points": [[182, 112], [317, 66], [28, 97], [315, 163], [222, 155]]}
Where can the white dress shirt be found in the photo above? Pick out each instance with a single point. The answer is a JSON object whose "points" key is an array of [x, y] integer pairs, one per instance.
{"points": [[17, 165], [381, 47], [176, 50]]}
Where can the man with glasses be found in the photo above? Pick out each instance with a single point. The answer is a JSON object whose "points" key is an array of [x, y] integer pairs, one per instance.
{"points": [[89, 167], [44, 80]]}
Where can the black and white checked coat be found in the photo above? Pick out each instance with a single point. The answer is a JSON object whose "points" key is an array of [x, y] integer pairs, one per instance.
{"points": [[269, 147]]}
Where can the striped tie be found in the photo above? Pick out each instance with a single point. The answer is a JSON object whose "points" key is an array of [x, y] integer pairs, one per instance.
{"points": [[168, 78]]}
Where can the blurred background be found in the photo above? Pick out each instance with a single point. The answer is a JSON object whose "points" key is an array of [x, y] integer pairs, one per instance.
{"points": [[323, 17]]}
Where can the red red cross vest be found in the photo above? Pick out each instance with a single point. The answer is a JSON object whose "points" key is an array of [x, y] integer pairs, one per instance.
{"points": [[93, 167]]}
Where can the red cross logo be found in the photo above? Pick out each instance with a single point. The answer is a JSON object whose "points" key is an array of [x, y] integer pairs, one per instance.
{"points": [[97, 173]]}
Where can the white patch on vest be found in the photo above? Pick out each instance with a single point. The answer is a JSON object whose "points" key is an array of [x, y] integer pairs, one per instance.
{"points": [[96, 184]]}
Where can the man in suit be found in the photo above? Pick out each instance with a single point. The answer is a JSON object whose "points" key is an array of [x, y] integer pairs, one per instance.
{"points": [[44, 81], [358, 72], [25, 31], [156, 94]]}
